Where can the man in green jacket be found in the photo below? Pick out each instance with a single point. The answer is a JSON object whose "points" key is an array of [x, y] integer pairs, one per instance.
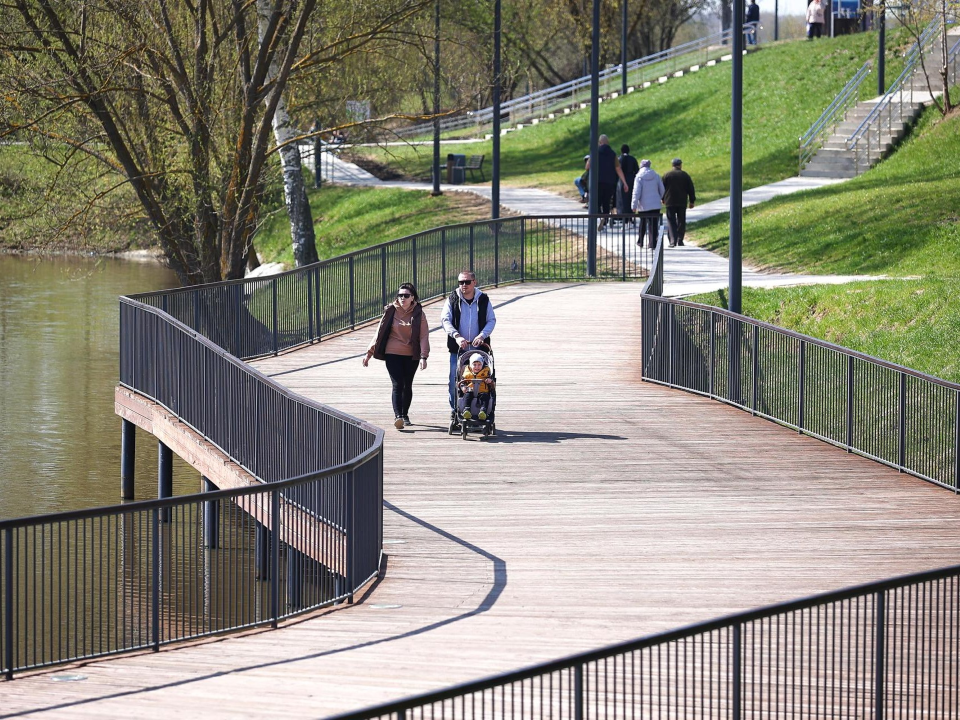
{"points": [[678, 189]]}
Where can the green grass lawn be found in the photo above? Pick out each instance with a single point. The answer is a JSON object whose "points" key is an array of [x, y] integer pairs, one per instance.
{"points": [[901, 219], [349, 218], [786, 87]]}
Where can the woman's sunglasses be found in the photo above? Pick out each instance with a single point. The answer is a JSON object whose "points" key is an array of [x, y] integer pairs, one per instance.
{"points": [[404, 295]]}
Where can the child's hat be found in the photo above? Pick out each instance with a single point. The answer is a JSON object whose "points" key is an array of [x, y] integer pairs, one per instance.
{"points": [[476, 358]]}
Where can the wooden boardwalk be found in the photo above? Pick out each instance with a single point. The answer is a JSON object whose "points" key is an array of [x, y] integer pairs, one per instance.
{"points": [[606, 509]]}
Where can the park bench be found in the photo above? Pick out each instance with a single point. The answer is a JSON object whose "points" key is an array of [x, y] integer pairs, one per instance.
{"points": [[475, 164]]}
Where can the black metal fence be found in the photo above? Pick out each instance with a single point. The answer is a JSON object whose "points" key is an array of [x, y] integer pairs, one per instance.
{"points": [[252, 318], [885, 650], [886, 412]]}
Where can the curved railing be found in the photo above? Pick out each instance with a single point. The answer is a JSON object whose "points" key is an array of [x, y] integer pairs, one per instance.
{"points": [[886, 412], [102, 581], [885, 649]]}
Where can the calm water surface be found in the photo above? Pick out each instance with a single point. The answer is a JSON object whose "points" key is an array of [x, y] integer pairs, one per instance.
{"points": [[59, 358]]}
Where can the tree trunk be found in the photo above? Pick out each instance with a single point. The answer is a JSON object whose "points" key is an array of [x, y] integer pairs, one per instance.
{"points": [[294, 189]]}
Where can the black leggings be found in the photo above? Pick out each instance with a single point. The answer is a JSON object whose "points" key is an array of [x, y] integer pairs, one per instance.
{"points": [[402, 368]]}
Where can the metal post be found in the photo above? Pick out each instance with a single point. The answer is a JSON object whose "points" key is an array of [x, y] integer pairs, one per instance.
{"points": [[623, 48], [956, 446], [496, 254], [776, 19], [736, 161], [275, 557], [128, 458], [211, 518], [443, 260], [755, 371], [671, 322], [155, 590], [902, 429], [164, 477], [737, 670], [8, 603], [523, 249], [310, 306], [436, 103], [497, 82], [879, 670], [276, 347], [594, 139], [294, 578], [238, 291], [471, 249], [383, 275], [849, 402], [353, 304], [578, 692], [802, 378], [413, 258], [882, 52], [262, 552], [351, 533], [712, 364]]}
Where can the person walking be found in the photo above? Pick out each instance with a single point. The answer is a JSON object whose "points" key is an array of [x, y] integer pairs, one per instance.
{"points": [[753, 19], [608, 170], [814, 19], [630, 167], [582, 183], [677, 192], [646, 199], [467, 319], [401, 341]]}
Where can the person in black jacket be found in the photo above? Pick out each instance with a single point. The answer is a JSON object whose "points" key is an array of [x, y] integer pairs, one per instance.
{"points": [[753, 17], [630, 167], [678, 189]]}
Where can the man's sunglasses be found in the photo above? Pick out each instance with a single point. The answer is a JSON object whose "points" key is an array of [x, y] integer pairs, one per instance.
{"points": [[464, 282], [404, 295]]}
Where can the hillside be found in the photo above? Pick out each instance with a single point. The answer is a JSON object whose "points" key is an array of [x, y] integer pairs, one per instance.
{"points": [[786, 87]]}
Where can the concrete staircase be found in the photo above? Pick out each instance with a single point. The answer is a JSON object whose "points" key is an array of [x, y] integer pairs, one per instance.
{"points": [[835, 160]]}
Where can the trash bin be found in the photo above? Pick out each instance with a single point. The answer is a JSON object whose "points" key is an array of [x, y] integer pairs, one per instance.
{"points": [[456, 168]]}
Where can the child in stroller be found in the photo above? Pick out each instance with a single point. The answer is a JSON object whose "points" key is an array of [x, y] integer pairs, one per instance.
{"points": [[476, 393]]}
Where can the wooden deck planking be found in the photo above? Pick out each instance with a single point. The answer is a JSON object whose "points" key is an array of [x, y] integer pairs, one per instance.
{"points": [[606, 509]]}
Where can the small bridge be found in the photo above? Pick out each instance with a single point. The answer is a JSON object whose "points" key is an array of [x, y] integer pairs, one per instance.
{"points": [[605, 509]]}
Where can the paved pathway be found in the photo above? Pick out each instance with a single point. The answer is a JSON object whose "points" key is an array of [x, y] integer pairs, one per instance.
{"points": [[689, 270], [605, 509]]}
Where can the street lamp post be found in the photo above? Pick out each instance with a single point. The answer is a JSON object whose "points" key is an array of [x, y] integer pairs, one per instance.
{"points": [[882, 52], [495, 171], [594, 139], [623, 50], [776, 19], [736, 161], [436, 103]]}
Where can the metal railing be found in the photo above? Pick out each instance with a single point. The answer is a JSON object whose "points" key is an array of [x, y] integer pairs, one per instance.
{"points": [[86, 584], [263, 316], [569, 94], [885, 649], [882, 411], [867, 140], [812, 140]]}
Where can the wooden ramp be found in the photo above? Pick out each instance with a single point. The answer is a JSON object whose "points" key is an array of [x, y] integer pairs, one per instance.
{"points": [[606, 509]]}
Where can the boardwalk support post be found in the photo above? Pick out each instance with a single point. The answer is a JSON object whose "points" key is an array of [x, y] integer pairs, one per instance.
{"points": [[211, 518], [164, 477], [262, 552], [578, 692], [902, 429], [155, 589], [275, 557], [351, 544], [737, 671], [849, 403], [276, 323], [128, 456]]}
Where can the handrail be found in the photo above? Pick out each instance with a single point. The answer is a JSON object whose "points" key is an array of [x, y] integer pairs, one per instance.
{"points": [[626, 683], [849, 95], [540, 98], [874, 119], [314, 524]]}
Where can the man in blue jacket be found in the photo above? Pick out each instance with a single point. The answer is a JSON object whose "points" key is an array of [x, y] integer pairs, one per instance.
{"points": [[467, 319]]}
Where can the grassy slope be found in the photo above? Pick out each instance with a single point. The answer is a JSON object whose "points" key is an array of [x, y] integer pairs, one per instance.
{"points": [[348, 219], [786, 88], [900, 219]]}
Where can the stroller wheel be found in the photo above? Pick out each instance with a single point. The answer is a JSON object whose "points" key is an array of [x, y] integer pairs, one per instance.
{"points": [[453, 428], [463, 432], [493, 428]]}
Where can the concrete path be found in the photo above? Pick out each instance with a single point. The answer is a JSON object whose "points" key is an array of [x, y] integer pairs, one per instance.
{"points": [[689, 270]]}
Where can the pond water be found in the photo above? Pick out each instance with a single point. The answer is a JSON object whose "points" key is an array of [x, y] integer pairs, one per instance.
{"points": [[59, 355]]}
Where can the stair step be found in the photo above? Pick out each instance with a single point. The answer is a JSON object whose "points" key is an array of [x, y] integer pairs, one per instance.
{"points": [[807, 172]]}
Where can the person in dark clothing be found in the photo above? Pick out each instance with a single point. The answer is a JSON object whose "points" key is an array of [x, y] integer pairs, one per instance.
{"points": [[630, 167], [753, 18], [678, 190], [608, 170]]}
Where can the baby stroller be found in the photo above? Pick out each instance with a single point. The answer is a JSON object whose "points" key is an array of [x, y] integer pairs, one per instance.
{"points": [[474, 424]]}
